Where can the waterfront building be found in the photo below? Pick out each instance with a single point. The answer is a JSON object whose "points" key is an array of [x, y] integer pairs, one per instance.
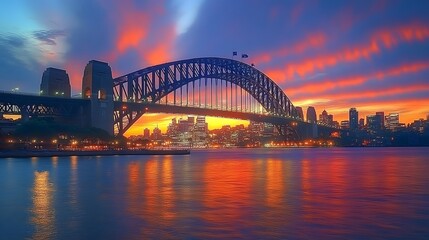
{"points": [[353, 119], [156, 134], [361, 123], [55, 83], [311, 115], [392, 121], [146, 133], [381, 114], [373, 122], [326, 119], [345, 124], [200, 133]]}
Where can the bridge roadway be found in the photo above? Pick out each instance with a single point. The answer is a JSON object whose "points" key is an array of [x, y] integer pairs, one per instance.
{"points": [[174, 109], [35, 105], [74, 110]]}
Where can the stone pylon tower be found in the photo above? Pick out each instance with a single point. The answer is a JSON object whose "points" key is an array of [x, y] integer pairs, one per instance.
{"points": [[97, 85]]}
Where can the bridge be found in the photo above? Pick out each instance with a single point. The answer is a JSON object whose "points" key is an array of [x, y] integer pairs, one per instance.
{"points": [[200, 86]]}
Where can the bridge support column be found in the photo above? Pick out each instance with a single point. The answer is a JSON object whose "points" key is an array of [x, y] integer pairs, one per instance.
{"points": [[97, 85]]}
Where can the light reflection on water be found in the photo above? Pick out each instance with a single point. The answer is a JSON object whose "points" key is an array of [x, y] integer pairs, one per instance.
{"points": [[43, 213], [253, 194]]}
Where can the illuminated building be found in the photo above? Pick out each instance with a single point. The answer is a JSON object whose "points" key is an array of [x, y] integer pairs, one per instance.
{"points": [[392, 121], [55, 83], [311, 115], [345, 124], [199, 137], [353, 119], [326, 119]]}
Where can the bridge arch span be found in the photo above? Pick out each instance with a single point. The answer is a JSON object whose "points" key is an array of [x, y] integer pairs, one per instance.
{"points": [[150, 85]]}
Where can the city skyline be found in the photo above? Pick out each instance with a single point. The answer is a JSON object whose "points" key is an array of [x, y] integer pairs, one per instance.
{"points": [[369, 55]]}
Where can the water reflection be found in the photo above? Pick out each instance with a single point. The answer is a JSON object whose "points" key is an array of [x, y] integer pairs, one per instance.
{"points": [[227, 195], [316, 194], [275, 182], [43, 213]]}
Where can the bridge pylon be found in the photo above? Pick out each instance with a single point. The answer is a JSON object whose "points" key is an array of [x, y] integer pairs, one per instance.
{"points": [[97, 85]]}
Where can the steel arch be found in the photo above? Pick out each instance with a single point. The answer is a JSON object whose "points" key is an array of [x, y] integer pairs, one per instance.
{"points": [[153, 83]]}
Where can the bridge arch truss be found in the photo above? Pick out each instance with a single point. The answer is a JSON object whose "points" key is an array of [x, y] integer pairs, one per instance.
{"points": [[170, 83]]}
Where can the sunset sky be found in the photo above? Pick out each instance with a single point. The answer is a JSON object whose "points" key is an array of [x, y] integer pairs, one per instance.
{"points": [[333, 55]]}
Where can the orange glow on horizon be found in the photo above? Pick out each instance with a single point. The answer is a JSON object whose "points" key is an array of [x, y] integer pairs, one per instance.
{"points": [[161, 120]]}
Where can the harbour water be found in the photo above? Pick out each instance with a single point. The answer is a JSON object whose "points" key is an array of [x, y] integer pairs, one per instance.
{"points": [[313, 193]]}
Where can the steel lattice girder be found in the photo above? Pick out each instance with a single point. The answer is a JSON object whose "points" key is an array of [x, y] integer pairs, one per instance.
{"points": [[39, 105], [153, 83]]}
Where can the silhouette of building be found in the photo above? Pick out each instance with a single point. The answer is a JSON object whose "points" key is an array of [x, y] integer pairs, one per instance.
{"points": [[353, 118], [300, 112], [311, 115], [361, 123], [381, 114], [156, 134], [55, 83], [146, 133], [373, 122]]}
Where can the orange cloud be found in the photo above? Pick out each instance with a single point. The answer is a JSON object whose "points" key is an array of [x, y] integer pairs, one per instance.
{"points": [[311, 88], [162, 51], [389, 91], [386, 38], [133, 25], [312, 41]]}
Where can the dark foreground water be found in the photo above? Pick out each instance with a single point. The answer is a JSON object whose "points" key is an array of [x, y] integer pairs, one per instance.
{"points": [[353, 193]]}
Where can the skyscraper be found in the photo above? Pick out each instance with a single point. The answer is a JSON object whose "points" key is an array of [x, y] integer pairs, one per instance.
{"points": [[353, 119], [374, 122], [381, 114], [146, 133], [311, 115]]}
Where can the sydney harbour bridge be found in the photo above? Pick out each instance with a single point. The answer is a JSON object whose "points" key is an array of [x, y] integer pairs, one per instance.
{"points": [[208, 86]]}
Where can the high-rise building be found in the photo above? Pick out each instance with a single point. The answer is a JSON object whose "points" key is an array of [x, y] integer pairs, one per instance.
{"points": [[361, 123], [146, 133], [55, 83], [381, 114], [311, 115], [392, 121], [299, 112], [353, 118], [326, 119], [373, 122], [156, 134], [200, 133]]}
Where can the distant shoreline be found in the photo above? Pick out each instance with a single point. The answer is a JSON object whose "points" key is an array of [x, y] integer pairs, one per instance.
{"points": [[47, 153]]}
